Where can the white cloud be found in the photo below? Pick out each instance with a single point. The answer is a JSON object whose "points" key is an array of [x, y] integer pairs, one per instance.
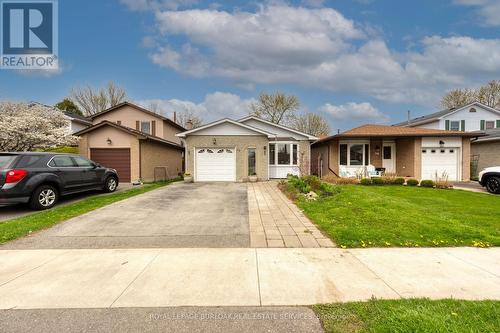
{"points": [[318, 47], [354, 111], [214, 106], [488, 10]]}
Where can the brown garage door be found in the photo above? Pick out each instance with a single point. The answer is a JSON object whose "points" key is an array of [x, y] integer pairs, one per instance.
{"points": [[116, 158]]}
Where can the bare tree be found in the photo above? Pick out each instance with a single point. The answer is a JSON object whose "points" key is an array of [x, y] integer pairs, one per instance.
{"points": [[278, 108], [183, 116], [92, 101], [488, 94], [458, 97], [312, 124]]}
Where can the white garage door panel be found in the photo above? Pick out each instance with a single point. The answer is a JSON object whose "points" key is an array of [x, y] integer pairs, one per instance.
{"points": [[215, 164], [440, 160]]}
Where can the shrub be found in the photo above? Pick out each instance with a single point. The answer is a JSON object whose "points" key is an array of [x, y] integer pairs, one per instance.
{"points": [[299, 184], [412, 182], [442, 180], [427, 183], [327, 190], [378, 181], [366, 181], [313, 182], [398, 181], [339, 180]]}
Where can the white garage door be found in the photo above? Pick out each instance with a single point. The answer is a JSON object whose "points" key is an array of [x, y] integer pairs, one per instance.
{"points": [[215, 164], [440, 160]]}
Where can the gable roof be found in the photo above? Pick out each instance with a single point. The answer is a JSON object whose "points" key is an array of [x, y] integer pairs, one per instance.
{"points": [[137, 107], [395, 131], [222, 121], [140, 135], [490, 135], [77, 118], [310, 137], [440, 114]]}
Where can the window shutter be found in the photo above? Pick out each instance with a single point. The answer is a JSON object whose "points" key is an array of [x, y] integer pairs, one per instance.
{"points": [[447, 125], [462, 125], [138, 125], [483, 125], [153, 127], [498, 123]]}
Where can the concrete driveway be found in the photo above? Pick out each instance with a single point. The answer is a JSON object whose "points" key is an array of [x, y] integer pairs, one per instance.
{"points": [[178, 215]]}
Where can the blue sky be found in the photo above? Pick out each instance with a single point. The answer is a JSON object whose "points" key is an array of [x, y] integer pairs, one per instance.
{"points": [[353, 62]]}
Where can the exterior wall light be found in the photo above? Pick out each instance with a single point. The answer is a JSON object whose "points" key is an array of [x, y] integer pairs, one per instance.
{"points": [[214, 141], [109, 141]]}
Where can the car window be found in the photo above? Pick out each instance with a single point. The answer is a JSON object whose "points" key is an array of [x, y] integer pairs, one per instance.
{"points": [[29, 161], [5, 160], [61, 162], [82, 162]]}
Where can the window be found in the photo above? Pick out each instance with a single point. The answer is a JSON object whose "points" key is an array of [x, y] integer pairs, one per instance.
{"points": [[367, 154], [452, 151], [119, 122], [295, 154], [6, 160], [83, 162], [454, 125], [251, 162], [272, 151], [29, 161], [283, 154], [343, 154], [472, 110], [356, 155], [490, 124], [424, 151], [387, 152], [146, 127], [61, 162]]}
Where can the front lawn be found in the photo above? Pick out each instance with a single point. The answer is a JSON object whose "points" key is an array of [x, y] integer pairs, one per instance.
{"points": [[383, 216], [410, 315], [22, 226]]}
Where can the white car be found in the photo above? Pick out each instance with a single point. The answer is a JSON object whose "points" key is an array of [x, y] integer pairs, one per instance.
{"points": [[490, 178]]}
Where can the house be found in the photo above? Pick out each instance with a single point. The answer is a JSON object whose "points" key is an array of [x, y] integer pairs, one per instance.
{"points": [[469, 118], [229, 150], [76, 122], [407, 152], [475, 116], [138, 143]]}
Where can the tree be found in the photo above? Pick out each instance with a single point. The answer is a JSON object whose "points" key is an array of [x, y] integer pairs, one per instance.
{"points": [[92, 101], [183, 116], [68, 105], [25, 127], [312, 124], [277, 108], [457, 98], [488, 94]]}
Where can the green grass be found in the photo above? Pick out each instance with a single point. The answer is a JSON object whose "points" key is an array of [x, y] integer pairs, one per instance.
{"points": [[384, 216], [19, 227], [410, 315], [62, 149]]}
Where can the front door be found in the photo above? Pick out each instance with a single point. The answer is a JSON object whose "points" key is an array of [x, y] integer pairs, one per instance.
{"points": [[389, 157]]}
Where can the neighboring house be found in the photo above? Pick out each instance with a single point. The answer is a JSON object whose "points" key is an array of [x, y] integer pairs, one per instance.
{"points": [[469, 118], [407, 152], [138, 143], [76, 122], [228, 150]]}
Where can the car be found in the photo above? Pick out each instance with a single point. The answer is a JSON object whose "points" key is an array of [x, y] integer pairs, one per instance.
{"points": [[490, 178], [40, 179]]}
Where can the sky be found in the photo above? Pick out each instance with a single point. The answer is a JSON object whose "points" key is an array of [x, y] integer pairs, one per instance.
{"points": [[351, 61]]}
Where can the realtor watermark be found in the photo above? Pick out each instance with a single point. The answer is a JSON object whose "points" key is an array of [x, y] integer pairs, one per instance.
{"points": [[29, 34]]}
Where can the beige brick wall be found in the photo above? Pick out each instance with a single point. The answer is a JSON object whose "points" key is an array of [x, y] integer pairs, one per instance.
{"points": [[157, 155], [318, 152], [406, 157], [305, 157], [376, 154], [488, 152], [466, 152], [83, 146], [241, 143]]}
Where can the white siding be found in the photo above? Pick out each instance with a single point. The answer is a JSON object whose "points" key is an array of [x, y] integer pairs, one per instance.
{"points": [[280, 132], [226, 129], [472, 119]]}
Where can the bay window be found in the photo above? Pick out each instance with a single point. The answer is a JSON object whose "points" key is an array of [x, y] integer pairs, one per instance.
{"points": [[354, 154], [283, 154]]}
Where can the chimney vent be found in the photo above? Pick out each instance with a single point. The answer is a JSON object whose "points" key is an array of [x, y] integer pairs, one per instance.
{"points": [[175, 117]]}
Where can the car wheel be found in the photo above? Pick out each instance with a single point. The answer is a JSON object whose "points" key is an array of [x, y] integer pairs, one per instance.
{"points": [[44, 197], [111, 184], [493, 185]]}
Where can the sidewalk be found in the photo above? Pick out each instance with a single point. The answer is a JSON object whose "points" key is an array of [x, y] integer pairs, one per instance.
{"points": [[31, 279]]}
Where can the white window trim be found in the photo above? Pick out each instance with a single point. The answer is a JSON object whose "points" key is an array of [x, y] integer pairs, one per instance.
{"points": [[353, 143], [150, 126], [458, 125], [489, 121], [290, 143]]}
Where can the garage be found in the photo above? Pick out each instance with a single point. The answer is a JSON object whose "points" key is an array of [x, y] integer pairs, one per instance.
{"points": [[116, 158], [440, 161], [215, 164]]}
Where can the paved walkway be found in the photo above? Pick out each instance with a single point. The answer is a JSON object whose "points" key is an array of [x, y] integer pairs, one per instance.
{"points": [[276, 222], [116, 278]]}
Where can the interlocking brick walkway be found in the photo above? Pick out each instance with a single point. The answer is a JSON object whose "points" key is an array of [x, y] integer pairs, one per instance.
{"points": [[276, 222]]}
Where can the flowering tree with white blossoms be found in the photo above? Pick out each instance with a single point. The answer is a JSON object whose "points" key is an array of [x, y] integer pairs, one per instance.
{"points": [[25, 127]]}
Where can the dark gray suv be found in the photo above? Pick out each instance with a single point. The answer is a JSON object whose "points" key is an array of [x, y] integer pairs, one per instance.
{"points": [[41, 178]]}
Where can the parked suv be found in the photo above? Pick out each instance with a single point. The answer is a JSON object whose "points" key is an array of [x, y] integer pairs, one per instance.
{"points": [[41, 178], [490, 178]]}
